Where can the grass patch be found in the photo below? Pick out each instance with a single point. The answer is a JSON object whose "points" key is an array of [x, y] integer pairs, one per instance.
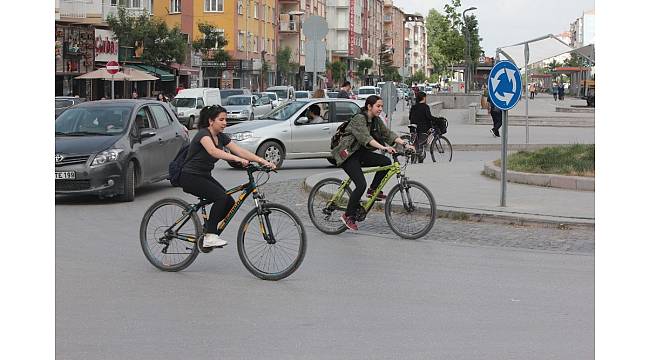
{"points": [[574, 160]]}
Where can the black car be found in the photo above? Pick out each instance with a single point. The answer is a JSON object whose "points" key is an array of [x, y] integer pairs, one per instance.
{"points": [[61, 103], [110, 147]]}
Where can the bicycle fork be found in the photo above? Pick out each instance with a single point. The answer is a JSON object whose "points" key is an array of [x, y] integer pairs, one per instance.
{"points": [[263, 217], [407, 202]]}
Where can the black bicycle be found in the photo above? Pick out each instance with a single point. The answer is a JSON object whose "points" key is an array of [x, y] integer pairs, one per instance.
{"points": [[271, 241], [438, 145]]}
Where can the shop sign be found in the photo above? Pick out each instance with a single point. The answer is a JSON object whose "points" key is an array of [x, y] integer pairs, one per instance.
{"points": [[106, 48]]}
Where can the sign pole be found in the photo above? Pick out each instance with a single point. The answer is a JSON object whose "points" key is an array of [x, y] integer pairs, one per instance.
{"points": [[313, 85], [504, 156], [113, 87]]}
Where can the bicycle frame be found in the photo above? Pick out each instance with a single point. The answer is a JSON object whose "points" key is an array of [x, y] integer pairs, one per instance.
{"points": [[246, 189], [393, 169]]}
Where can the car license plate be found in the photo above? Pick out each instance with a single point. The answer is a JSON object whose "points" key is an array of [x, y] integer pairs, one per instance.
{"points": [[64, 175]]}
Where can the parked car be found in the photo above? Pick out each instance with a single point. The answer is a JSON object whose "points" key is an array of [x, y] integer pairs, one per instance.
{"points": [[111, 147], [275, 101], [332, 94], [285, 93], [303, 94], [61, 103], [428, 90], [189, 102], [246, 107], [287, 133], [366, 91], [226, 93]]}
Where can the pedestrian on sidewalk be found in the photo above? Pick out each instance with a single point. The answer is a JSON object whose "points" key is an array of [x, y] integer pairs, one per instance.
{"points": [[554, 89], [560, 91], [497, 117], [531, 90], [345, 90]]}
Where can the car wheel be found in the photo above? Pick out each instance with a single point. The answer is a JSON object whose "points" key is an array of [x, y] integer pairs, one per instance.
{"points": [[190, 123], [271, 151], [129, 184]]}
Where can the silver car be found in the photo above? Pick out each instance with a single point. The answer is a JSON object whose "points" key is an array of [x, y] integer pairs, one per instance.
{"points": [[246, 107], [288, 133]]}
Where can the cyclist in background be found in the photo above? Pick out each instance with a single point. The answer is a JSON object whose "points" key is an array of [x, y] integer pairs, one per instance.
{"points": [[420, 115], [364, 133]]}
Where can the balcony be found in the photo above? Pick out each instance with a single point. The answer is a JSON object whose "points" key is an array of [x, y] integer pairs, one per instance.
{"points": [[135, 12], [289, 26], [79, 9]]}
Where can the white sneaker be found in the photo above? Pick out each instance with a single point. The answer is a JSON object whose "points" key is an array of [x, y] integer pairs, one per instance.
{"points": [[212, 240]]}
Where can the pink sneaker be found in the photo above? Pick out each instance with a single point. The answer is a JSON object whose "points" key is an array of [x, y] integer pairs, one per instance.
{"points": [[349, 222]]}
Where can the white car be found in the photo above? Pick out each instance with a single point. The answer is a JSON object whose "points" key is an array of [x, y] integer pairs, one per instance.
{"points": [[246, 107], [303, 94], [366, 91], [275, 101]]}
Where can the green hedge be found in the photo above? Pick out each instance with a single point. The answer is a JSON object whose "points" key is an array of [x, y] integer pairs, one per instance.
{"points": [[576, 160]]}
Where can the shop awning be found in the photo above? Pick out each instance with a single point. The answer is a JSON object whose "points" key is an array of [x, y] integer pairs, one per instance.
{"points": [[185, 70], [162, 74]]}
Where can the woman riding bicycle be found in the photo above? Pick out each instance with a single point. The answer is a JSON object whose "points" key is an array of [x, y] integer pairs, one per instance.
{"points": [[364, 133], [206, 148], [420, 115]]}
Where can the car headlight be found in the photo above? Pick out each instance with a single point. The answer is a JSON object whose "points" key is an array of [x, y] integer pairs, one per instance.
{"points": [[106, 157], [241, 136]]}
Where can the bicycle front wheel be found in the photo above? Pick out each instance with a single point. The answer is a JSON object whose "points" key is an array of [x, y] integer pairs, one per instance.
{"points": [[272, 245], [325, 208], [169, 233], [441, 150], [410, 209]]}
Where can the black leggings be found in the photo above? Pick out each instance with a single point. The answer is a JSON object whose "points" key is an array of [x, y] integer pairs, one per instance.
{"points": [[352, 167], [207, 187]]}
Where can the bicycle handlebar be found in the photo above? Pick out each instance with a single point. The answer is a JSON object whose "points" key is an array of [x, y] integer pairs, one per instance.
{"points": [[251, 168]]}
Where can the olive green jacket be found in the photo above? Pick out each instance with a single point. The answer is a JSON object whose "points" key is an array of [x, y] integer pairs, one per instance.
{"points": [[356, 134]]}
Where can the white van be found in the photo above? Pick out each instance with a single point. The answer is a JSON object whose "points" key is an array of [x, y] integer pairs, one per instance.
{"points": [[285, 93], [189, 102]]}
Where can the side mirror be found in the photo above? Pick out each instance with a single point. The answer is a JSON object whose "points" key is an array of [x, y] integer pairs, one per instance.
{"points": [[302, 120], [147, 133]]}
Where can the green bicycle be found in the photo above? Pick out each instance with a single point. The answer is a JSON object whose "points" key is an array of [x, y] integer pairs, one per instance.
{"points": [[409, 207], [271, 241]]}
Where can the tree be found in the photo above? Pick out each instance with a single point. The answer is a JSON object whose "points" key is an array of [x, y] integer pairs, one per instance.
{"points": [[285, 65], [212, 45], [158, 43], [418, 77], [338, 69], [362, 68]]}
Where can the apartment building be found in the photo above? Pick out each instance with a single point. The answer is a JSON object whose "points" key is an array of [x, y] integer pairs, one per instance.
{"points": [[247, 25], [344, 37], [373, 34], [415, 49], [394, 33], [291, 35]]}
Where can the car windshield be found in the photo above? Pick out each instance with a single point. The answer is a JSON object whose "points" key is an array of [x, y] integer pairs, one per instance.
{"points": [[271, 95], [238, 100], [285, 111], [366, 91], [282, 94], [185, 102], [88, 121], [225, 94], [60, 104], [301, 95]]}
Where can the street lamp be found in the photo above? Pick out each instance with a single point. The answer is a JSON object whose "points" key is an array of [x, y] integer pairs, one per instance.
{"points": [[467, 51], [299, 14]]}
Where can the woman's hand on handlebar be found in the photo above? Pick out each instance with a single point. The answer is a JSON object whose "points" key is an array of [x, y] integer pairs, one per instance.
{"points": [[390, 149], [267, 164], [243, 162]]}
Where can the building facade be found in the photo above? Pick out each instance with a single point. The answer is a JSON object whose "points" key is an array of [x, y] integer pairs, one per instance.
{"points": [[249, 29], [394, 34]]}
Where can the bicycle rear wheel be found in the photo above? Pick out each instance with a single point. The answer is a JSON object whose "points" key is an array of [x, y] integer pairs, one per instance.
{"points": [[441, 150], [324, 210], [283, 252], [410, 209], [167, 245]]}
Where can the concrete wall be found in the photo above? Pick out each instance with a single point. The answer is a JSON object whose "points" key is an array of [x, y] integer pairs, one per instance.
{"points": [[454, 100]]}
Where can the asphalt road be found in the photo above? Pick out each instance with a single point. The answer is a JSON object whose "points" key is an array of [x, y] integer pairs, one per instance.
{"points": [[461, 293]]}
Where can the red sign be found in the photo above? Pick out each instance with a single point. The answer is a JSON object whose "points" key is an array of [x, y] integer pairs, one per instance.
{"points": [[351, 39], [112, 67]]}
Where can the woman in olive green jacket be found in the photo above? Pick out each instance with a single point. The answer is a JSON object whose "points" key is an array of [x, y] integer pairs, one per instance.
{"points": [[365, 133]]}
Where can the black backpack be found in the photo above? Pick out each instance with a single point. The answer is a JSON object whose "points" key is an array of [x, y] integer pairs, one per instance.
{"points": [[336, 138], [176, 165]]}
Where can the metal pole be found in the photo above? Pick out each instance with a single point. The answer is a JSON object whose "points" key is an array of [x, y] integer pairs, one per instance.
{"points": [[504, 156], [526, 92], [112, 86], [313, 85]]}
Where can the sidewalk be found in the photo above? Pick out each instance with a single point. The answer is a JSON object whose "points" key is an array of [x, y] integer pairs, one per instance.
{"points": [[462, 192]]}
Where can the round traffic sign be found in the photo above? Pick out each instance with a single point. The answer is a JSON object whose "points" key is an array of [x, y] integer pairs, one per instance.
{"points": [[504, 85], [112, 67], [315, 27]]}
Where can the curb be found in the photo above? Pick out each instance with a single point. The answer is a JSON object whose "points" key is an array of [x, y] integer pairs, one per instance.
{"points": [[579, 183], [497, 147], [496, 217]]}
